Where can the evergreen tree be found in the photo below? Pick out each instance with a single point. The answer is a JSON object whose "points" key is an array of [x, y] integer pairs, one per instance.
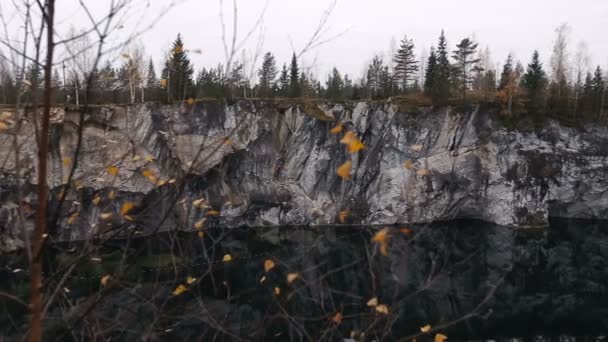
{"points": [[151, 81], [506, 77], [441, 84], [294, 81], [267, 74], [598, 87], [464, 63], [284, 81], [177, 73], [335, 85], [535, 82], [374, 80], [405, 62], [430, 74]]}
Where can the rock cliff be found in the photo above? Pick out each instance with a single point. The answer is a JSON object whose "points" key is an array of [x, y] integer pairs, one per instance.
{"points": [[263, 163]]}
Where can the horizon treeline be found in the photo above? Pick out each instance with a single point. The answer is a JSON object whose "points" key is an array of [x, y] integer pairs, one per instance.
{"points": [[567, 88]]}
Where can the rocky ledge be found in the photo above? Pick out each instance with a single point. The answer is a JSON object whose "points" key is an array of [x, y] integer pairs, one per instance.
{"points": [[270, 163]]}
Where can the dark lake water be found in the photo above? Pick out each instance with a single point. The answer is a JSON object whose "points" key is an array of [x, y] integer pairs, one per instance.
{"points": [[469, 280]]}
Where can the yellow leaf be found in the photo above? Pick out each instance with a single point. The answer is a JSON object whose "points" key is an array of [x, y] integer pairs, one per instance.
{"points": [[344, 170], [200, 223], [73, 218], [105, 216], [277, 291], [382, 308], [440, 337], [163, 83], [201, 234], [342, 216], [96, 200], [126, 207], [112, 170], [426, 328], [161, 182], [212, 213], [67, 161], [227, 258], [149, 174], [171, 181], [408, 164], [105, 280], [416, 147], [381, 238], [291, 277], [3, 126], [149, 158], [372, 302], [125, 56], [179, 290], [200, 203], [352, 143], [337, 318], [268, 265], [112, 195], [129, 218], [190, 280], [135, 158], [190, 101], [336, 129]]}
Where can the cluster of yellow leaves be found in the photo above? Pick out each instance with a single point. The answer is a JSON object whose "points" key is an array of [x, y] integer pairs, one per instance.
{"points": [[438, 337], [353, 144], [125, 209], [150, 175], [181, 288], [344, 170], [381, 238], [380, 308]]}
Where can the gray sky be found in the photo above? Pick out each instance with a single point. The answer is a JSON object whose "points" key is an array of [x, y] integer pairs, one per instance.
{"points": [[517, 26]]}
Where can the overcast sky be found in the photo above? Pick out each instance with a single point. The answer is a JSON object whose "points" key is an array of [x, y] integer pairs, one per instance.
{"points": [[517, 26]]}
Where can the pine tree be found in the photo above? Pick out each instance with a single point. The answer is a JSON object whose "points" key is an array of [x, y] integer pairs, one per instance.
{"points": [[535, 82], [440, 91], [464, 63], [294, 81], [151, 81], [335, 85], [267, 74], [284, 81], [598, 87], [506, 77], [405, 62], [177, 73], [430, 74]]}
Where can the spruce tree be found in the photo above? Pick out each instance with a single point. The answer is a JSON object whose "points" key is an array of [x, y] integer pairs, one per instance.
{"points": [[598, 87], [151, 81], [440, 92], [465, 63], [506, 76], [535, 82], [405, 62], [267, 74], [335, 85], [284, 81], [294, 78], [177, 73], [429, 75]]}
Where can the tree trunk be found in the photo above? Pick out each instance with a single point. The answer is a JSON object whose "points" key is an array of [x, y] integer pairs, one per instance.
{"points": [[36, 281]]}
